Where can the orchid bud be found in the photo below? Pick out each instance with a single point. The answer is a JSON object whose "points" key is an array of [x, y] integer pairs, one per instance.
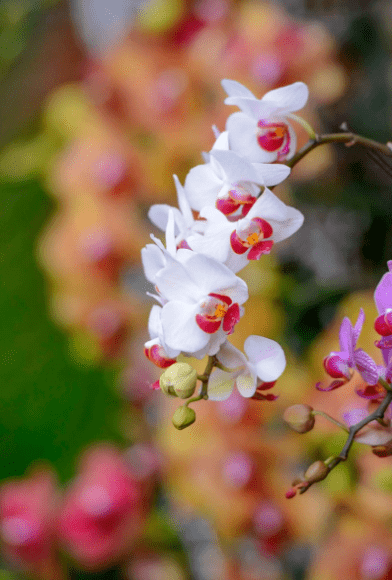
{"points": [[179, 380], [299, 418], [316, 472], [183, 417]]}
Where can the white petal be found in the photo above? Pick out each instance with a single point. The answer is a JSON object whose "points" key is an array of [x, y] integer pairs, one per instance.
{"points": [[202, 186], [170, 235], [246, 384], [242, 138], [271, 173], [158, 215], [222, 142], [267, 356], [215, 246], [288, 99], [183, 203], [235, 89], [236, 168], [212, 276], [230, 356], [153, 260], [220, 385], [254, 108], [285, 220], [180, 330], [174, 283], [154, 322]]}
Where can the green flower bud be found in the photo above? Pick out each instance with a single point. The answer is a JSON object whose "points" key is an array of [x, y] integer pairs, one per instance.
{"points": [[299, 418], [316, 472], [183, 417], [179, 380]]}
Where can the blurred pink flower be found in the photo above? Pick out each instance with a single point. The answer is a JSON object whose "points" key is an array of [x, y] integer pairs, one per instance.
{"points": [[27, 524], [102, 514]]}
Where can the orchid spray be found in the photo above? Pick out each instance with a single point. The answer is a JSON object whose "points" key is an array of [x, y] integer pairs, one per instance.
{"points": [[200, 299]]}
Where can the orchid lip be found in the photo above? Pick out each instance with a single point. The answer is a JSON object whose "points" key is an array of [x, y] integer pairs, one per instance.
{"points": [[216, 309], [273, 137]]}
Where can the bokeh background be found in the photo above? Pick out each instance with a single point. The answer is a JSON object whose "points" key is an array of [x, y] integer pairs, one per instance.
{"points": [[100, 104]]}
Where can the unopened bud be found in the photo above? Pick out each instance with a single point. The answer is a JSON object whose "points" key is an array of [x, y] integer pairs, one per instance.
{"points": [[179, 380], [183, 417], [383, 450], [299, 418], [316, 472]]}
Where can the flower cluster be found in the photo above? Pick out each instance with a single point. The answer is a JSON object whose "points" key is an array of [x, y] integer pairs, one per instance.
{"points": [[96, 521], [200, 297], [372, 425]]}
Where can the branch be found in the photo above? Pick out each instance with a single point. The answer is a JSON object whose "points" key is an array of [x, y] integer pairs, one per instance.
{"points": [[333, 461], [347, 138]]}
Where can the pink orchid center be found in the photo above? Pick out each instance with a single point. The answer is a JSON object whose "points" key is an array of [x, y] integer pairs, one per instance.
{"points": [[252, 235], [336, 367], [238, 196], [273, 136], [218, 308]]}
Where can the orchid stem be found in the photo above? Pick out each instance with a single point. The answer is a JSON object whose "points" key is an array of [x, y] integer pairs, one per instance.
{"points": [[331, 419], [377, 414], [347, 137]]}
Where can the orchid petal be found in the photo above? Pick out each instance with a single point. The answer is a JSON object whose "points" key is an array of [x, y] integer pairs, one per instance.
{"points": [[202, 186], [236, 89], [246, 384], [236, 168], [332, 386], [346, 341], [180, 329], [242, 139], [267, 356], [220, 385], [222, 142], [174, 281], [212, 276], [366, 366], [288, 99], [183, 203], [271, 173], [383, 292], [153, 260], [358, 326], [285, 220], [230, 356], [374, 437]]}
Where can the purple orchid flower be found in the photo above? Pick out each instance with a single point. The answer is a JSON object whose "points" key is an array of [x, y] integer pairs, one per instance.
{"points": [[339, 365], [383, 324]]}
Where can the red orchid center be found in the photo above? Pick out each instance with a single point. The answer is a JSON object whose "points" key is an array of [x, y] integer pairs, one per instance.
{"points": [[215, 310], [273, 137], [252, 235], [240, 196]]}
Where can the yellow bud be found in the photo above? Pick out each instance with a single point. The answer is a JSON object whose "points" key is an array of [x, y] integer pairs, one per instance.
{"points": [[299, 418], [316, 472], [183, 417], [179, 380]]}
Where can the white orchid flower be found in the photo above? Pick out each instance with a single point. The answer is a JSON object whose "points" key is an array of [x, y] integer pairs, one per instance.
{"points": [[230, 182], [265, 363], [235, 243], [201, 301], [261, 132]]}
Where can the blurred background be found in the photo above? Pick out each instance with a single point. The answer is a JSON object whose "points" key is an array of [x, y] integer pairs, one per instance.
{"points": [[100, 103]]}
